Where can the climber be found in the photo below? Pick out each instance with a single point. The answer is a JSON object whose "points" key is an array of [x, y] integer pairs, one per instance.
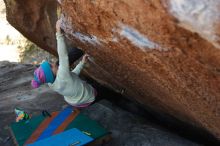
{"points": [[76, 92]]}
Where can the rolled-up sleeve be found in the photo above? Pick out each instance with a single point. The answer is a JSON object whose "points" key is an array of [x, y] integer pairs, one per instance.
{"points": [[78, 68]]}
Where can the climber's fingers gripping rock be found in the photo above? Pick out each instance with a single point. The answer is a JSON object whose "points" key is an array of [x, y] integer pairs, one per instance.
{"points": [[58, 26]]}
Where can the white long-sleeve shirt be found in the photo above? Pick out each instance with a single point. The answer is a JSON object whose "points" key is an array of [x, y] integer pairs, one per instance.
{"points": [[68, 83]]}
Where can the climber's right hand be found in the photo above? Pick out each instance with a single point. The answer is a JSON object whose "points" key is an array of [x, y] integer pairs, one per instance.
{"points": [[85, 58]]}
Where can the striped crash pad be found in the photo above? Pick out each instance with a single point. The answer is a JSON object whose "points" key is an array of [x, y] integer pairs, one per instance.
{"points": [[61, 125]]}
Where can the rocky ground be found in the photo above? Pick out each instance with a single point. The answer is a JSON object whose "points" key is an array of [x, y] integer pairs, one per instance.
{"points": [[127, 128]]}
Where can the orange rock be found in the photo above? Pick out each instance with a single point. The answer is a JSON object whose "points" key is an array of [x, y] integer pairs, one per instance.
{"points": [[147, 49]]}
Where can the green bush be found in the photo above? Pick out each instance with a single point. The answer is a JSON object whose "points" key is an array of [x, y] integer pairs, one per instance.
{"points": [[30, 53]]}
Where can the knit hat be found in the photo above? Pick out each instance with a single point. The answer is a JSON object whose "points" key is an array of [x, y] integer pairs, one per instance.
{"points": [[42, 74]]}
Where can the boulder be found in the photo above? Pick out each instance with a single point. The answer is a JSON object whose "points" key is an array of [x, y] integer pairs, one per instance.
{"points": [[163, 54], [35, 20]]}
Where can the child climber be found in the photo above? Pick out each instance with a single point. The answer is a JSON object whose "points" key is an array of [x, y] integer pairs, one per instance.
{"points": [[76, 92]]}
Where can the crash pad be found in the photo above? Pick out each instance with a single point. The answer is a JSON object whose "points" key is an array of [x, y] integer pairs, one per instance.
{"points": [[70, 137], [40, 127]]}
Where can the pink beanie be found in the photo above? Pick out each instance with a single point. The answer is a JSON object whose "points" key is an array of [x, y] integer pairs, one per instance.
{"points": [[43, 74], [39, 78]]}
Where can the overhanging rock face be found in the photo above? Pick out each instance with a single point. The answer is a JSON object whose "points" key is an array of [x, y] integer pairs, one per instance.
{"points": [[35, 19], [165, 55]]}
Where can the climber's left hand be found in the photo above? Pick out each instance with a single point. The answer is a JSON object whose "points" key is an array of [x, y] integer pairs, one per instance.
{"points": [[58, 25]]}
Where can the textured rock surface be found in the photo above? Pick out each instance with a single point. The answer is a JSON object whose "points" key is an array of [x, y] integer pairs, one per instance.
{"points": [[149, 49], [35, 20], [15, 91], [130, 130]]}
